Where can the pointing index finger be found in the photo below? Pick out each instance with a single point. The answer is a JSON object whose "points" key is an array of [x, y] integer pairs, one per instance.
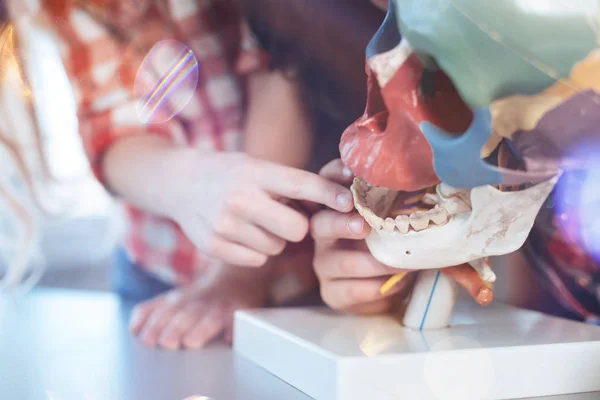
{"points": [[302, 185]]}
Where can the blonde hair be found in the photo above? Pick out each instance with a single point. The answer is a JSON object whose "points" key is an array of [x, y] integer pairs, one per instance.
{"points": [[23, 188]]}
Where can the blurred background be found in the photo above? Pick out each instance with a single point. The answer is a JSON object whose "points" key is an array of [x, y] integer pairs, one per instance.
{"points": [[79, 233]]}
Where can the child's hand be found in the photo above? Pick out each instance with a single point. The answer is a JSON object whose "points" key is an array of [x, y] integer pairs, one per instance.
{"points": [[351, 279], [192, 317], [179, 319], [230, 205]]}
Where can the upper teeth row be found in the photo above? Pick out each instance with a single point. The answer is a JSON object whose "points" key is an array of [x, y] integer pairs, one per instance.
{"points": [[445, 205], [418, 220]]}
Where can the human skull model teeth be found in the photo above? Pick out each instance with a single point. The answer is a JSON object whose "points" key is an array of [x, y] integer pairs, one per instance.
{"points": [[382, 200], [451, 228], [473, 110]]}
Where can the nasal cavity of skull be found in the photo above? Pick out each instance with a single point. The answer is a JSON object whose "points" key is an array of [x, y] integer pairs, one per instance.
{"points": [[376, 111]]}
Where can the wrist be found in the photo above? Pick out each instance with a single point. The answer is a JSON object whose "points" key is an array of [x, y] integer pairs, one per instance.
{"points": [[145, 171], [172, 185]]}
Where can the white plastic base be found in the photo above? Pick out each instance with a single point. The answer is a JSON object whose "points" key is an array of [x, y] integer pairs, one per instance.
{"points": [[493, 353]]}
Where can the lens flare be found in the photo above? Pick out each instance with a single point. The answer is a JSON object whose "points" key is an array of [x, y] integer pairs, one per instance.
{"points": [[577, 201], [165, 82], [198, 398]]}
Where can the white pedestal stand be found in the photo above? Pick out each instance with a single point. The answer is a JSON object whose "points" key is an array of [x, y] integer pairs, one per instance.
{"points": [[493, 353]]}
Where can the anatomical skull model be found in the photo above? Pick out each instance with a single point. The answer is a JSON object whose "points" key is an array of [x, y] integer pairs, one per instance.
{"points": [[473, 107]]}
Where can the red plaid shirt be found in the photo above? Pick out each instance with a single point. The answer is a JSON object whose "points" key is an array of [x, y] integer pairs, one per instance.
{"points": [[103, 67]]}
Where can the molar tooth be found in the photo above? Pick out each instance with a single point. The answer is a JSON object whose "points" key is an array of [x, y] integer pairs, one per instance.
{"points": [[455, 206], [402, 223], [389, 225], [419, 220], [438, 215], [431, 199], [454, 200]]}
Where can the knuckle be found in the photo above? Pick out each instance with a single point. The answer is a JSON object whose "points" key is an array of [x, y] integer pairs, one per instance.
{"points": [[329, 188], [297, 182], [328, 299], [320, 225], [355, 294], [296, 188], [299, 229], [237, 203], [181, 321], [213, 249], [225, 225], [325, 187], [347, 267], [153, 322]]}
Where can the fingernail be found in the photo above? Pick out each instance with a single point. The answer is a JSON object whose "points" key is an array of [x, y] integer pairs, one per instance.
{"points": [[484, 297], [347, 173], [356, 225], [344, 199]]}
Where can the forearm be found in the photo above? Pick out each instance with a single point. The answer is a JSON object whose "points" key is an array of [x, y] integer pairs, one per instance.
{"points": [[140, 169], [278, 128]]}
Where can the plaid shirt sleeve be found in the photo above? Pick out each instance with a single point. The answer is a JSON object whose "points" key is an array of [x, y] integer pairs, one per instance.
{"points": [[102, 83], [103, 73]]}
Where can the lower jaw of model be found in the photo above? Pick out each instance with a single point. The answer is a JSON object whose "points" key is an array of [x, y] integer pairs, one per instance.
{"points": [[441, 227]]}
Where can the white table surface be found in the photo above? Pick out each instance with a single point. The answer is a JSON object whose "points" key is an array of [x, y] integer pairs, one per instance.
{"points": [[72, 345]]}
